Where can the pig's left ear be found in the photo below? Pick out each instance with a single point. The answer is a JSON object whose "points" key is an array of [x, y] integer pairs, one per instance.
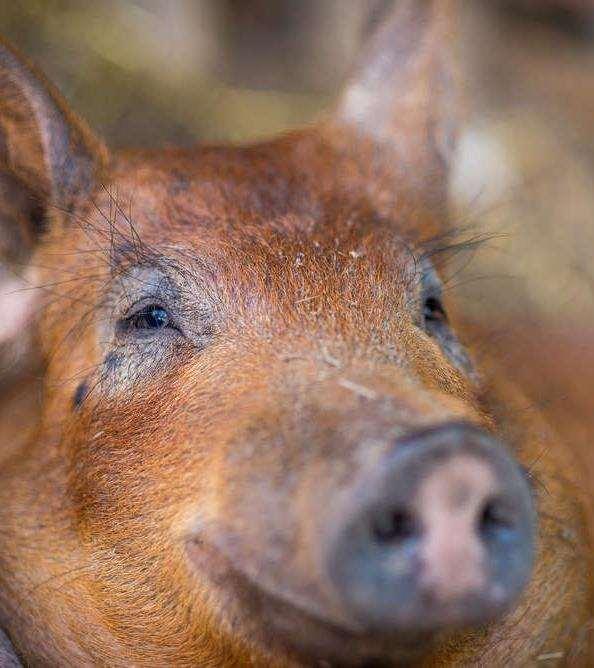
{"points": [[48, 159], [44, 148], [403, 93]]}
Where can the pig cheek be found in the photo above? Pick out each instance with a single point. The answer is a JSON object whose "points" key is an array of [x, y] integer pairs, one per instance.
{"points": [[427, 362], [136, 465]]}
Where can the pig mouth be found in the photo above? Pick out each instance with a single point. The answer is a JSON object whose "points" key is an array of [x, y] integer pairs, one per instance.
{"points": [[455, 554], [302, 629]]}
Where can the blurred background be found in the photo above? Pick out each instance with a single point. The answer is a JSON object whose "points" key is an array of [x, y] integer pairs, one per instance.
{"points": [[155, 72]]}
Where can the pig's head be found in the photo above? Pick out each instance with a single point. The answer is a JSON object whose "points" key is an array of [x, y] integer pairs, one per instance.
{"points": [[260, 437]]}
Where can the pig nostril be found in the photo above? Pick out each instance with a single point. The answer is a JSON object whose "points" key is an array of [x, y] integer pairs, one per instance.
{"points": [[394, 526], [494, 519]]}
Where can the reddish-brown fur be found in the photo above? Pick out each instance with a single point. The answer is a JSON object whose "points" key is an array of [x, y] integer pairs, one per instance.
{"points": [[164, 519]]}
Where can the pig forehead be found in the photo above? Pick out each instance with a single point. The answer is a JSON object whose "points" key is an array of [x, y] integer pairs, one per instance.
{"points": [[282, 250], [230, 208], [219, 216], [218, 186], [294, 190], [269, 262], [276, 260]]}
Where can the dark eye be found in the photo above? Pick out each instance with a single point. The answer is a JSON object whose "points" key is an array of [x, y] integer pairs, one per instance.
{"points": [[152, 317], [434, 320], [434, 312]]}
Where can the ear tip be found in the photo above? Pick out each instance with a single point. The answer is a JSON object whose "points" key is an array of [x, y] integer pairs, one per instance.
{"points": [[64, 142], [404, 96], [24, 72]]}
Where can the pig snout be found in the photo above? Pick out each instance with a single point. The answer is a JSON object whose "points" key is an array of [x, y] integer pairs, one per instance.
{"points": [[441, 535]]}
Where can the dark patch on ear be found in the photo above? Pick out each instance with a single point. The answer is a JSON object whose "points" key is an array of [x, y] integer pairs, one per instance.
{"points": [[38, 220], [377, 14], [80, 395]]}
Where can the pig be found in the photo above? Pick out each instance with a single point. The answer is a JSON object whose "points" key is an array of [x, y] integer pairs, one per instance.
{"points": [[255, 436]]}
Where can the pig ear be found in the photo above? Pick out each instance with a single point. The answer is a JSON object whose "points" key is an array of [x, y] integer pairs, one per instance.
{"points": [[44, 149], [48, 159], [403, 93]]}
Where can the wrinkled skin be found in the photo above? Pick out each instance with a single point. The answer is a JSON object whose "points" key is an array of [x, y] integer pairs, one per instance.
{"points": [[164, 508]]}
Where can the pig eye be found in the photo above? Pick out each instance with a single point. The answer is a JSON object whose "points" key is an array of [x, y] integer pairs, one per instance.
{"points": [[145, 310], [151, 318], [434, 318], [434, 311]]}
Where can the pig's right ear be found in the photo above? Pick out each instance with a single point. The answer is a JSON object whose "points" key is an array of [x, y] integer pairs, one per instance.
{"points": [[48, 159], [402, 98]]}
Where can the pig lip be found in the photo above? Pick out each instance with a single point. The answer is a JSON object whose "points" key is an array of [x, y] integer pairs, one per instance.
{"points": [[275, 618], [198, 549]]}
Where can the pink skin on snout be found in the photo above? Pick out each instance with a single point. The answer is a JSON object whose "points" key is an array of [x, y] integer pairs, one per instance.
{"points": [[449, 504]]}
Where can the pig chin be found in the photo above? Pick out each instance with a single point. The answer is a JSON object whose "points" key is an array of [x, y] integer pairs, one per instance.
{"points": [[277, 622]]}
